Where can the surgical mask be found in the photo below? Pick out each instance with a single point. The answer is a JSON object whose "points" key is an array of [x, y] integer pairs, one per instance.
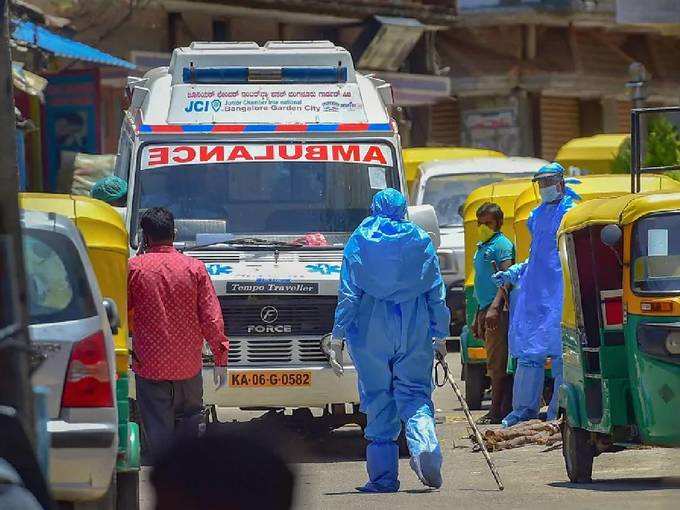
{"points": [[550, 193], [484, 233]]}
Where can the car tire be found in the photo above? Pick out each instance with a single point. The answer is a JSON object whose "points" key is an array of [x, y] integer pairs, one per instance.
{"points": [[127, 497], [475, 384], [578, 451]]}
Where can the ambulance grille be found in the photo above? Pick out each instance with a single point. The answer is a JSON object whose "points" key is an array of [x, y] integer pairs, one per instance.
{"points": [[306, 315], [310, 317]]}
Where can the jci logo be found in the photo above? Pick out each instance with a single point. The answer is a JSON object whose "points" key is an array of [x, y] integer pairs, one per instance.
{"points": [[203, 106]]}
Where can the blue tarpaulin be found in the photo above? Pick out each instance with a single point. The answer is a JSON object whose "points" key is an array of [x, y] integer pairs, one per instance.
{"points": [[61, 46]]}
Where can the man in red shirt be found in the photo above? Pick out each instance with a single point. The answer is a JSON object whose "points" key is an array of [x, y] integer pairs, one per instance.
{"points": [[173, 309]]}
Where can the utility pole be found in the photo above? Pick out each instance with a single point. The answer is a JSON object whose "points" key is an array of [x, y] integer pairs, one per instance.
{"points": [[15, 385]]}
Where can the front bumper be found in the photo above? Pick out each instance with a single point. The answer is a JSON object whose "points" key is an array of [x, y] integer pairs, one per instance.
{"points": [[82, 459], [326, 388]]}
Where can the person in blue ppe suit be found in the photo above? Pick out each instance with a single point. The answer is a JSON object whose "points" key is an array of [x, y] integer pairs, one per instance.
{"points": [[391, 305], [536, 302]]}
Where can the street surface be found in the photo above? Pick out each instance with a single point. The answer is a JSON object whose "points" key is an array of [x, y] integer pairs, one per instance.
{"points": [[329, 470]]}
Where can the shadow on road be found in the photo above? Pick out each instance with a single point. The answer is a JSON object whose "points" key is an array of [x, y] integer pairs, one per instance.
{"points": [[343, 445], [624, 484]]}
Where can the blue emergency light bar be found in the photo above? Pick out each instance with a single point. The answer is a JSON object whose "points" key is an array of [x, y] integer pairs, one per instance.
{"points": [[293, 74]]}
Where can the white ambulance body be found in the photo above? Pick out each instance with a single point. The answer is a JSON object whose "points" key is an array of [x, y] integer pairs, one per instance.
{"points": [[269, 158]]}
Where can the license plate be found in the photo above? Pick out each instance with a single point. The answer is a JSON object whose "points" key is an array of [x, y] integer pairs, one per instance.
{"points": [[269, 379]]}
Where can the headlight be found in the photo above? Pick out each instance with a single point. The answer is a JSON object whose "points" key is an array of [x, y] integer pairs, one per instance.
{"points": [[446, 260], [442, 261], [673, 342], [661, 341], [326, 343]]}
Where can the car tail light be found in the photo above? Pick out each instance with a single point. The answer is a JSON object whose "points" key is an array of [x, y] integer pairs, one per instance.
{"points": [[88, 382]]}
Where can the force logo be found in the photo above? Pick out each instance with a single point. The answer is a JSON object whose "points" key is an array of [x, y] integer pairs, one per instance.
{"points": [[269, 314]]}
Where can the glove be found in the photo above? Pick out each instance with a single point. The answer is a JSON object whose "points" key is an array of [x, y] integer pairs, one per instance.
{"points": [[335, 357], [220, 377], [500, 278], [510, 276], [439, 347]]}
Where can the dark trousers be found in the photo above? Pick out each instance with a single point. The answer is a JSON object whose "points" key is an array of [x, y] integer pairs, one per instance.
{"points": [[168, 408]]}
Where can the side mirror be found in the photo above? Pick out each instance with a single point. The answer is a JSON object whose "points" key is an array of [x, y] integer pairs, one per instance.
{"points": [[425, 216], [112, 314], [611, 235]]}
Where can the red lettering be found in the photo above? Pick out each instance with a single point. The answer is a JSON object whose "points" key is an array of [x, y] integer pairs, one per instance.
{"points": [[349, 154], [189, 151], [283, 152], [239, 152], [316, 153], [205, 154], [374, 154], [268, 153], [158, 156]]}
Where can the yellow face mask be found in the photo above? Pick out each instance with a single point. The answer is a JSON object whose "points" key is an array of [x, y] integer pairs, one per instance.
{"points": [[484, 233]]}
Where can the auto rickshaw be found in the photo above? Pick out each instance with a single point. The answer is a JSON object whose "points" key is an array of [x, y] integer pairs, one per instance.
{"points": [[591, 154], [590, 187], [106, 239], [415, 156], [620, 326], [472, 350]]}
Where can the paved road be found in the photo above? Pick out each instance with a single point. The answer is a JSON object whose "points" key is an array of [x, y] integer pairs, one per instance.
{"points": [[329, 470]]}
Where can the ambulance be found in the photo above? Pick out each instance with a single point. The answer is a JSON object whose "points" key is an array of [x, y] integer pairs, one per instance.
{"points": [[268, 157]]}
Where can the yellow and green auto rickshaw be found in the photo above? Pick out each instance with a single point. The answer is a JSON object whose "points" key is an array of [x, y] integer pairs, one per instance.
{"points": [[106, 239], [590, 154], [620, 326], [472, 351], [590, 187], [415, 156]]}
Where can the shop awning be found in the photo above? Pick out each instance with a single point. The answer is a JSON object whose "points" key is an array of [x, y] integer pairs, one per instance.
{"points": [[416, 89], [61, 46]]}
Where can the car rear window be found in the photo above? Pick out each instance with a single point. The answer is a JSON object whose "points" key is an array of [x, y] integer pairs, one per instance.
{"points": [[58, 289]]}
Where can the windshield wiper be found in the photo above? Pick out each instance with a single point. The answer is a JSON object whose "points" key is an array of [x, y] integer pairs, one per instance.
{"points": [[245, 241]]}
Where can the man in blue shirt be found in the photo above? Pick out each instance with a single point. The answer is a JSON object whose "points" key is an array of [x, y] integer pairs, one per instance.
{"points": [[495, 252]]}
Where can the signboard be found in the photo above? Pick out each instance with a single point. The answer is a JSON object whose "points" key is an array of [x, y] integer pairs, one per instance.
{"points": [[154, 156], [71, 117], [266, 103], [495, 129], [649, 11], [469, 5]]}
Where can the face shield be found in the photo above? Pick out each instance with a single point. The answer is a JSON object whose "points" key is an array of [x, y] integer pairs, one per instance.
{"points": [[550, 186]]}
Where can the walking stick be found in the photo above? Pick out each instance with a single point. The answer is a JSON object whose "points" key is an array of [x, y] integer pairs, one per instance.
{"points": [[478, 436]]}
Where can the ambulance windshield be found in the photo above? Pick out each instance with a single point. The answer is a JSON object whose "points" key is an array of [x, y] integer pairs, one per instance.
{"points": [[277, 191]]}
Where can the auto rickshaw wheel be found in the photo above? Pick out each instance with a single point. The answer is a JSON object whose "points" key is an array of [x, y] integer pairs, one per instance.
{"points": [[578, 451], [475, 384]]}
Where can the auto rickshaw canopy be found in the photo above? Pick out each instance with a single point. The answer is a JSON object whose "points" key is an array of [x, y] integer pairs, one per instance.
{"points": [[415, 156], [106, 239], [592, 154], [591, 187], [504, 193], [621, 210]]}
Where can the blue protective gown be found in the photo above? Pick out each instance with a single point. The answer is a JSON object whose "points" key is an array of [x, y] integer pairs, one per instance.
{"points": [[391, 304], [535, 331]]}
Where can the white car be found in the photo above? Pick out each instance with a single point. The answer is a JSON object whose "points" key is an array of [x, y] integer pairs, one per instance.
{"points": [[445, 185], [70, 327]]}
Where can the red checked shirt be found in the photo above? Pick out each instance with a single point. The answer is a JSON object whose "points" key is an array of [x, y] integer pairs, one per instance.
{"points": [[173, 307]]}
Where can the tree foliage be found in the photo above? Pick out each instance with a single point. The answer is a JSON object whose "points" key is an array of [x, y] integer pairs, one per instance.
{"points": [[662, 149]]}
